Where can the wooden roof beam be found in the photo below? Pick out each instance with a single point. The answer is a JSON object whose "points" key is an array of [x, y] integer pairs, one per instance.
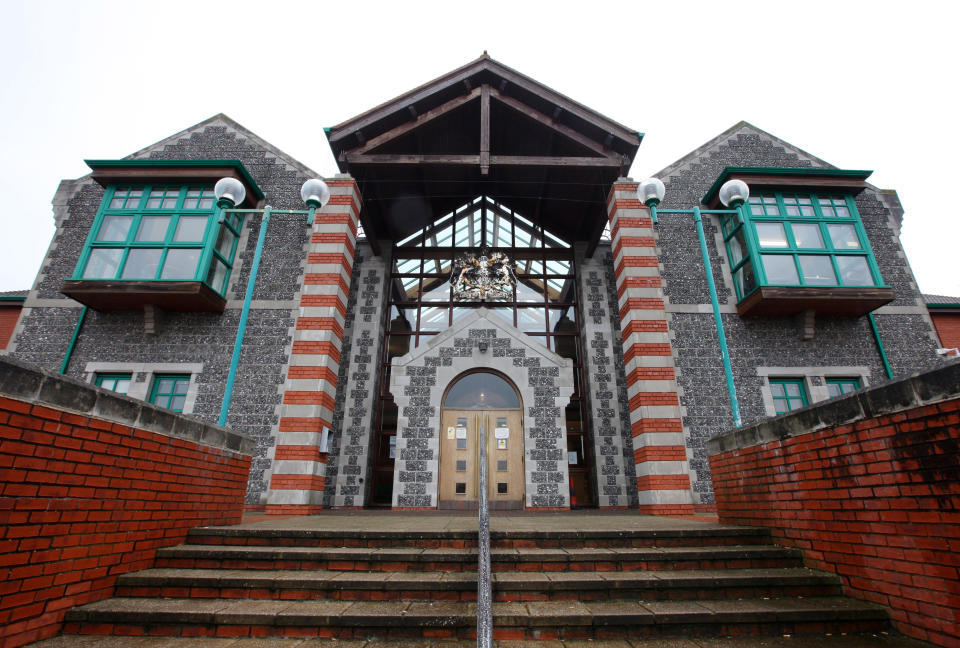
{"points": [[551, 122], [495, 160], [418, 121]]}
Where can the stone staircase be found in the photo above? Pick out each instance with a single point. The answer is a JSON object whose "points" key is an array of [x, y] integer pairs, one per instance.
{"points": [[708, 580]]}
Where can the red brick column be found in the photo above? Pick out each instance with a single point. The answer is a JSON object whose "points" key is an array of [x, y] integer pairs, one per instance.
{"points": [[299, 467], [660, 453]]}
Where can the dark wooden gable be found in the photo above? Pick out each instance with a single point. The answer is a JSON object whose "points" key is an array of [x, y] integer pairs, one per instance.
{"points": [[483, 129]]}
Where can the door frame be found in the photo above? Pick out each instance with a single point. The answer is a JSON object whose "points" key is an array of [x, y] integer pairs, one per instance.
{"points": [[521, 432]]}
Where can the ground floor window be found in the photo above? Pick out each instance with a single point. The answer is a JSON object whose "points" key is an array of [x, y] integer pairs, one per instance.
{"points": [[172, 385], [788, 394], [839, 386], [118, 382], [170, 391]]}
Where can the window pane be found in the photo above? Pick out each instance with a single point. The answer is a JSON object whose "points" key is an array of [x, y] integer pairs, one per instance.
{"points": [[777, 390], [142, 264], [181, 263], [433, 319], [103, 263], [217, 276], [745, 279], [436, 290], [190, 228], [531, 320], [225, 243], [854, 271], [780, 269], [527, 292], [153, 228], [771, 235], [792, 389], [817, 270], [807, 235], [844, 236], [833, 389], [737, 246], [114, 228], [561, 320]]}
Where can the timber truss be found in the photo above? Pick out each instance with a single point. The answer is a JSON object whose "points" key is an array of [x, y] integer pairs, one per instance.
{"points": [[483, 129]]}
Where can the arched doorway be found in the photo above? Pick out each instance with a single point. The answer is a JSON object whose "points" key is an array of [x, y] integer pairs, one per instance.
{"points": [[479, 401]]}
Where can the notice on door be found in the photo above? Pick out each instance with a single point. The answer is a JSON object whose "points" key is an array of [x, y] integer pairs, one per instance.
{"points": [[461, 433], [501, 444], [501, 433], [450, 432]]}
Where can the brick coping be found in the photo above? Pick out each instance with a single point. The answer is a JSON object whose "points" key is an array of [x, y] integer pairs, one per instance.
{"points": [[26, 382], [923, 388]]}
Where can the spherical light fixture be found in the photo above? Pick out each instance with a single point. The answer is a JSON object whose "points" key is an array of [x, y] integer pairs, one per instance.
{"points": [[651, 191], [315, 193], [734, 193], [229, 190]]}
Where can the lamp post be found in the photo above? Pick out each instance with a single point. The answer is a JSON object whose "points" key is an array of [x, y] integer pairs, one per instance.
{"points": [[733, 194], [230, 193]]}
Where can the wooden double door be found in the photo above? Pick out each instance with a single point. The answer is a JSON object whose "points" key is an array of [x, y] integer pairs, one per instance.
{"points": [[461, 432]]}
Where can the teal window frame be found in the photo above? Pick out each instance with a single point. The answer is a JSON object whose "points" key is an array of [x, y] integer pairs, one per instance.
{"points": [[842, 386], [819, 209], [216, 248], [163, 397], [110, 381], [784, 398]]}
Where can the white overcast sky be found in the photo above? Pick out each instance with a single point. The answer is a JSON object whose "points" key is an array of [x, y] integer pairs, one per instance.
{"points": [[863, 85]]}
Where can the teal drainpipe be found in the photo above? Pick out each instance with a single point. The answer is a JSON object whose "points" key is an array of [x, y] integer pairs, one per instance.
{"points": [[244, 313], [883, 353], [73, 341], [714, 301], [722, 337]]}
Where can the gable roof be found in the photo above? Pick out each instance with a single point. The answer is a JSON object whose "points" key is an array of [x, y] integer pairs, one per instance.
{"points": [[740, 128], [231, 126], [483, 129], [483, 70]]}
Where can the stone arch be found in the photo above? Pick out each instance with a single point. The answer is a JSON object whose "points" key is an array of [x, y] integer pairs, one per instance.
{"points": [[418, 381]]}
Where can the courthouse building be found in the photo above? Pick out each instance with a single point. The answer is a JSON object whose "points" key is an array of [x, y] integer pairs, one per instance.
{"points": [[483, 262]]}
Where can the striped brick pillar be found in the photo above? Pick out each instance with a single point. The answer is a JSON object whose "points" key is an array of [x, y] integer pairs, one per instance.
{"points": [[309, 393], [660, 451]]}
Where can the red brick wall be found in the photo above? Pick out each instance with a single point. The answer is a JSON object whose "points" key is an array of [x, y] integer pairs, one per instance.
{"points": [[8, 321], [947, 325], [877, 502], [83, 500]]}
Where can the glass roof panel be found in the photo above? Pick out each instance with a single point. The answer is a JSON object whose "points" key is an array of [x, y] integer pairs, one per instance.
{"points": [[483, 221]]}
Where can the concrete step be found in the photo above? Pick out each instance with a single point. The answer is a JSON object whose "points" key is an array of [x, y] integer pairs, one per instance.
{"points": [[443, 559], [878, 640], [453, 539], [442, 620], [461, 586]]}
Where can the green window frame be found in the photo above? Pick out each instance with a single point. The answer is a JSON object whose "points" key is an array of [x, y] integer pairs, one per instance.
{"points": [[788, 394], [118, 382], [840, 386], [798, 239], [170, 391], [161, 233]]}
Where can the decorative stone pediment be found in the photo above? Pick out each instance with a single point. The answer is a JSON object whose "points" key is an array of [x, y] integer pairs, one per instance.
{"points": [[420, 378]]}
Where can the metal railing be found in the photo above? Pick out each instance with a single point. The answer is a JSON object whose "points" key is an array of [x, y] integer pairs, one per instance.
{"points": [[484, 596]]}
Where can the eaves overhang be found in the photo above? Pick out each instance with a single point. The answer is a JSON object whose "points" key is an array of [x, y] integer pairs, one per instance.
{"points": [[853, 180], [107, 172]]}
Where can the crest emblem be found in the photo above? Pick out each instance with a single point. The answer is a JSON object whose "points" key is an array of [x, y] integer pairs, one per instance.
{"points": [[483, 275]]}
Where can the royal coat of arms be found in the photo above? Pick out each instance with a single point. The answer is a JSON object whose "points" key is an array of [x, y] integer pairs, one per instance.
{"points": [[483, 275]]}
